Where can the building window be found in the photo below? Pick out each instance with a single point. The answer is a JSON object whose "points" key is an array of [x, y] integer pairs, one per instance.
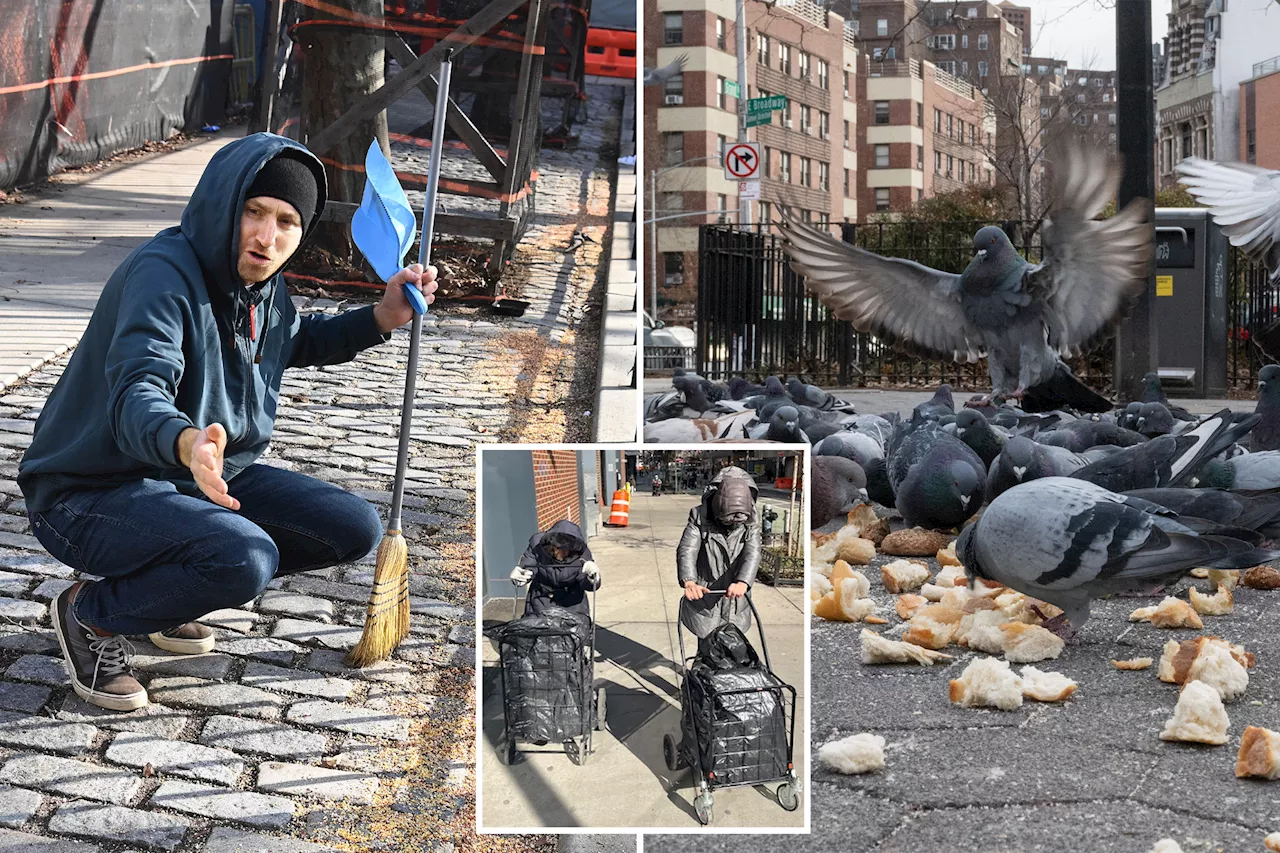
{"points": [[1095, 118], [973, 172], [964, 42], [1186, 141], [806, 178], [824, 176], [945, 42], [720, 43], [948, 67], [982, 41], [973, 12], [964, 68], [674, 86], [673, 268], [1106, 97], [766, 212], [919, 114], [891, 53], [806, 119], [937, 162], [802, 64], [1111, 119], [951, 166], [846, 84], [824, 220], [920, 157], [882, 156], [784, 58], [982, 69], [1251, 146], [824, 124], [919, 195], [1044, 112], [882, 112], [673, 201], [720, 96], [937, 120], [877, 53], [673, 28], [882, 27], [806, 215], [765, 167], [824, 75], [882, 199], [1080, 98], [673, 145], [722, 142], [846, 133], [1202, 142], [846, 183], [784, 167], [762, 50], [950, 126]]}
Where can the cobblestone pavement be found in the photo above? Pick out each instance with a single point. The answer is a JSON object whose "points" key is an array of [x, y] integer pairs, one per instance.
{"points": [[269, 743]]}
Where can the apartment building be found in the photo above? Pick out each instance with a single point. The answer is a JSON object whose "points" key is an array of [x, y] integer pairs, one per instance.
{"points": [[798, 50], [1260, 115], [1020, 17], [921, 131]]}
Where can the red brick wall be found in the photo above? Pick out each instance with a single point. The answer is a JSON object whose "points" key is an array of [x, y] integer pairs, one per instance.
{"points": [[555, 486], [1266, 121]]}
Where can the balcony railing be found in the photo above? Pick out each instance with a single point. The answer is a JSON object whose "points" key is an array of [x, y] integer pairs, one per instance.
{"points": [[1267, 67]]}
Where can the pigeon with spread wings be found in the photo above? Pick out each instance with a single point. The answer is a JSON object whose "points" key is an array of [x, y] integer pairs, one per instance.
{"points": [[1022, 317]]}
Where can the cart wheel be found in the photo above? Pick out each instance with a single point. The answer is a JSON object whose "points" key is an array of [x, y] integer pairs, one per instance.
{"points": [[601, 725], [788, 796], [702, 808], [669, 753], [507, 752], [574, 752]]}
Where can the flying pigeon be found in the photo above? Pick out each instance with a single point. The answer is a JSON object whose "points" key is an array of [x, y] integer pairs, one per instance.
{"points": [[937, 480], [1245, 201], [1020, 316], [659, 76], [1067, 541], [1266, 432]]}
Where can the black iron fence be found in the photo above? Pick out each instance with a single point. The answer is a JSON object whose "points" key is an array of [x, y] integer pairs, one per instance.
{"points": [[755, 317]]}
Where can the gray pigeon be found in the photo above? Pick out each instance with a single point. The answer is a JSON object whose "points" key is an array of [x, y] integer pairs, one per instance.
{"points": [[836, 484], [938, 406], [1257, 511], [740, 388], [812, 395], [1266, 432], [850, 444], [774, 397], [879, 489], [1252, 471], [1080, 435], [974, 430], [1021, 316], [1153, 392], [1067, 542], [937, 479], [1168, 460], [1022, 460], [783, 425], [1245, 201], [659, 76], [691, 387], [1155, 419]]}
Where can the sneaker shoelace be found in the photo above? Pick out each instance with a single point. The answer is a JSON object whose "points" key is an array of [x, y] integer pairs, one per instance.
{"points": [[113, 656]]}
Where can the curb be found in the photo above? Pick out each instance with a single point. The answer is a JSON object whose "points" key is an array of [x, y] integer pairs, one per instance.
{"points": [[617, 407]]}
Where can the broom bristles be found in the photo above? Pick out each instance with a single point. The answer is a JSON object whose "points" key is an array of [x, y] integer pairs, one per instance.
{"points": [[387, 619]]}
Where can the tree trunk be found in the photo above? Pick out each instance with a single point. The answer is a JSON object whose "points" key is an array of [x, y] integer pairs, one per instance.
{"points": [[341, 65]]}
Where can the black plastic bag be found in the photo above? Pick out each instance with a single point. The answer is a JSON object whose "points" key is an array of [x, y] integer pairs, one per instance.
{"points": [[546, 676]]}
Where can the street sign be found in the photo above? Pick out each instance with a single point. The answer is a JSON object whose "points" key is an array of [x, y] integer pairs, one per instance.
{"points": [[742, 161], [760, 110], [731, 88], [749, 190]]}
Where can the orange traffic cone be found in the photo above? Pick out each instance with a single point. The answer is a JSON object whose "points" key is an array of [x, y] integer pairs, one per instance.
{"points": [[621, 510]]}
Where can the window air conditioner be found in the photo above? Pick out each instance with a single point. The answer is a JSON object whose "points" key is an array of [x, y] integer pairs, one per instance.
{"points": [[674, 100]]}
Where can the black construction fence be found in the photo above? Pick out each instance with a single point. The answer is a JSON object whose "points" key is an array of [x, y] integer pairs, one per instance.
{"points": [[83, 79], [755, 317]]}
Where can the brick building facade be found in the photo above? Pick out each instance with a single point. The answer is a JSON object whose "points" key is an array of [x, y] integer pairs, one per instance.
{"points": [[555, 486], [1260, 116]]}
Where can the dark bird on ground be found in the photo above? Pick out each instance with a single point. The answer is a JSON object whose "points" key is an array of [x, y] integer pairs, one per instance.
{"points": [[938, 406], [1022, 460], [937, 480], [579, 237], [1253, 472], [740, 389], [1153, 392], [1257, 511], [774, 397], [836, 484], [1266, 432], [974, 430], [1169, 460], [691, 387], [1066, 541], [811, 395], [1080, 435], [1022, 317], [879, 489], [783, 425], [1155, 419]]}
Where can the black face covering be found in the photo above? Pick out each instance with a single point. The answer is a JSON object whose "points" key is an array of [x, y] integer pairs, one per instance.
{"points": [[732, 503]]}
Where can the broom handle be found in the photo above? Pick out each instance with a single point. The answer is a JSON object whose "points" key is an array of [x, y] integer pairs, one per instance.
{"points": [[424, 258]]}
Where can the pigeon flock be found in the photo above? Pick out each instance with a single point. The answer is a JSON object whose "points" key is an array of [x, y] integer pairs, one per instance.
{"points": [[1063, 506]]}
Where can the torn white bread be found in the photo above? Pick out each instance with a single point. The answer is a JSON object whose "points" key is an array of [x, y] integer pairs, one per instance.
{"points": [[1220, 603], [947, 556], [934, 626], [1216, 667], [1178, 658], [932, 591], [981, 632], [1134, 663], [1046, 686], [1259, 754], [1166, 845], [1272, 842], [877, 650], [845, 602], [1169, 613], [951, 576], [860, 753], [1199, 716], [907, 605], [902, 576], [987, 682], [1024, 643]]}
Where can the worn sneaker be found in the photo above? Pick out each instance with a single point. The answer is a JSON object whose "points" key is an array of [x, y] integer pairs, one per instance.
{"points": [[98, 666], [191, 638]]}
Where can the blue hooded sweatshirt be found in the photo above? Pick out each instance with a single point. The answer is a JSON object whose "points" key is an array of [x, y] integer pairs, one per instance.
{"points": [[177, 340]]}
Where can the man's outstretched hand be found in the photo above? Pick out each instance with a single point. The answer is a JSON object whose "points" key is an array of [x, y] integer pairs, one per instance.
{"points": [[201, 450], [394, 310]]}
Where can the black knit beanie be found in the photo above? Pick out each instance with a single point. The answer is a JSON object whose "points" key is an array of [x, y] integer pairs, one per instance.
{"points": [[286, 177]]}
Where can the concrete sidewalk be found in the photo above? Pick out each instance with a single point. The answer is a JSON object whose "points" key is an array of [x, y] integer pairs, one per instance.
{"points": [[57, 249], [626, 782]]}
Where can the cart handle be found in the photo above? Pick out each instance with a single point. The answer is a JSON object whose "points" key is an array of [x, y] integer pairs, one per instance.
{"points": [[591, 595], [755, 614]]}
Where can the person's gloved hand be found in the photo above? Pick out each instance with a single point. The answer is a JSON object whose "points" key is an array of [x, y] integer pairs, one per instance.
{"points": [[591, 570], [737, 589], [694, 590], [521, 576]]}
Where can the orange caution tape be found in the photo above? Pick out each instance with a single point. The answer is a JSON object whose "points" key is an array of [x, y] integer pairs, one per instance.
{"points": [[95, 75]]}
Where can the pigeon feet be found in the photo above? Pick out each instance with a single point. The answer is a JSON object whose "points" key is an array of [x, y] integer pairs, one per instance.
{"points": [[1059, 625], [979, 402]]}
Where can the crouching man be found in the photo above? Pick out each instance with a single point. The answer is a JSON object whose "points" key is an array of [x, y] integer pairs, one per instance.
{"points": [[142, 469]]}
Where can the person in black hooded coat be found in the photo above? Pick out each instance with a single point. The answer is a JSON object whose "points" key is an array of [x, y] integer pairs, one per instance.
{"points": [[559, 569]]}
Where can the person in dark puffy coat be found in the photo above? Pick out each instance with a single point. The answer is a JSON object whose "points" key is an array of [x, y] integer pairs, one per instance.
{"points": [[558, 567], [720, 550]]}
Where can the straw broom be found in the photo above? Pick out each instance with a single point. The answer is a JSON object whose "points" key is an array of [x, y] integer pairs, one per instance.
{"points": [[387, 619]]}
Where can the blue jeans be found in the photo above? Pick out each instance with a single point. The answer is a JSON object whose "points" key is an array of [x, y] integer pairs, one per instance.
{"points": [[169, 558]]}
